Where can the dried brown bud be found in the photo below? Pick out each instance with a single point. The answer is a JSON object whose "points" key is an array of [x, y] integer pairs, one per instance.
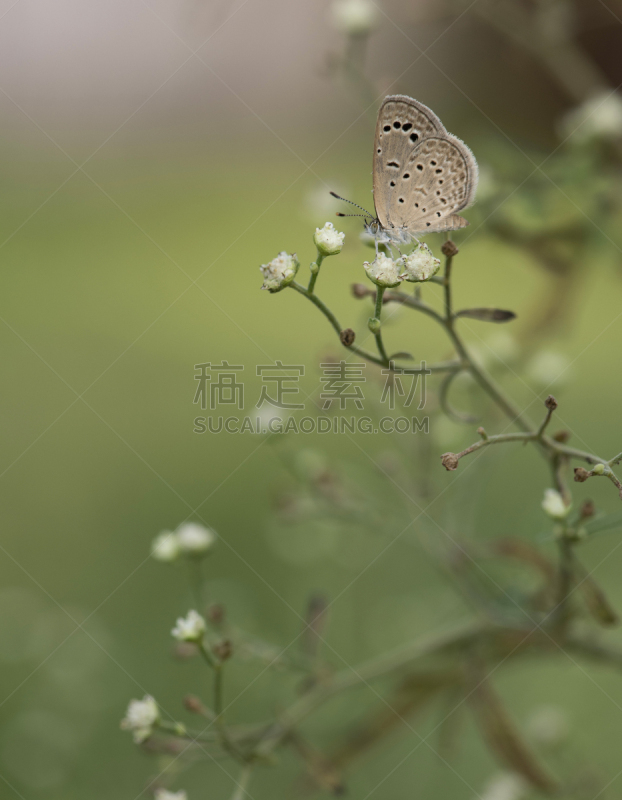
{"points": [[449, 249], [587, 510], [550, 403], [561, 436], [450, 461], [347, 337], [581, 475], [216, 614], [193, 704], [223, 650], [359, 290]]}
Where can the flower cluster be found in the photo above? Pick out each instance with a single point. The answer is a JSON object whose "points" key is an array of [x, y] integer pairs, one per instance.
{"points": [[328, 240], [141, 717], [190, 628], [190, 539], [416, 267], [280, 272]]}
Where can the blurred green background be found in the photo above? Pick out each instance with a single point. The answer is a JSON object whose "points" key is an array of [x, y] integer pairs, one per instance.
{"points": [[119, 277]]}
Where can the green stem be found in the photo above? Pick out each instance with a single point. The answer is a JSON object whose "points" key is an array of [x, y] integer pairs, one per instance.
{"points": [[380, 290], [447, 287], [242, 785], [315, 272]]}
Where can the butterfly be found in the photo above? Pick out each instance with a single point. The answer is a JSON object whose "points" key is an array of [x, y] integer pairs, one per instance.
{"points": [[422, 174]]}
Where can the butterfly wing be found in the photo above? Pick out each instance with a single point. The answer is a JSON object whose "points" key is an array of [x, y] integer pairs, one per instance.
{"points": [[422, 176]]}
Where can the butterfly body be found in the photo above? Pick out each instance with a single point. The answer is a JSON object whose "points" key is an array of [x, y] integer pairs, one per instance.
{"points": [[422, 175]]}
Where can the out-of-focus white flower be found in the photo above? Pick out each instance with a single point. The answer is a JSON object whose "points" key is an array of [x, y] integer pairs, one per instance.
{"points": [[505, 786], [383, 271], [270, 420], [354, 17], [190, 628], [553, 505], [195, 539], [164, 794], [141, 717], [165, 547], [504, 347], [548, 725], [600, 117], [548, 368], [328, 240], [420, 265], [280, 272]]}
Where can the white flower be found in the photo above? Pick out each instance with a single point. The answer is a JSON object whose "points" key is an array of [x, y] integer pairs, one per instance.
{"points": [[270, 420], [553, 505], [279, 272], [195, 539], [505, 786], [354, 17], [164, 794], [165, 547], [328, 240], [383, 271], [190, 628], [141, 717], [600, 117], [420, 265]]}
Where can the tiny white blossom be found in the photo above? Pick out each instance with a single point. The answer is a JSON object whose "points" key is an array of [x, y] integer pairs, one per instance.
{"points": [[280, 272], [195, 539], [270, 420], [165, 547], [328, 240], [505, 786], [420, 265], [600, 117], [354, 17], [141, 717], [553, 505], [383, 271], [189, 628], [164, 794]]}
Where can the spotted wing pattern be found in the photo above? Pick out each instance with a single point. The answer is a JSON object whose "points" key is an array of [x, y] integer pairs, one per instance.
{"points": [[423, 175]]}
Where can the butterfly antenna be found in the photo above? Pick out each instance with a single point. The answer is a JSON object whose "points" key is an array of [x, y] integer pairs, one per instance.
{"points": [[367, 214]]}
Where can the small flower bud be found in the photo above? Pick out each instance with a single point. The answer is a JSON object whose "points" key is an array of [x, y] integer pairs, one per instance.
{"points": [[598, 469], [280, 272], [553, 505], [347, 337], [420, 265], [223, 650], [190, 628], [548, 726], [374, 324], [165, 547], [587, 510], [383, 271], [481, 432], [216, 614], [449, 249], [195, 539], [141, 717], [359, 290], [581, 475], [354, 17], [561, 436], [194, 705], [550, 403], [328, 240], [450, 461]]}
